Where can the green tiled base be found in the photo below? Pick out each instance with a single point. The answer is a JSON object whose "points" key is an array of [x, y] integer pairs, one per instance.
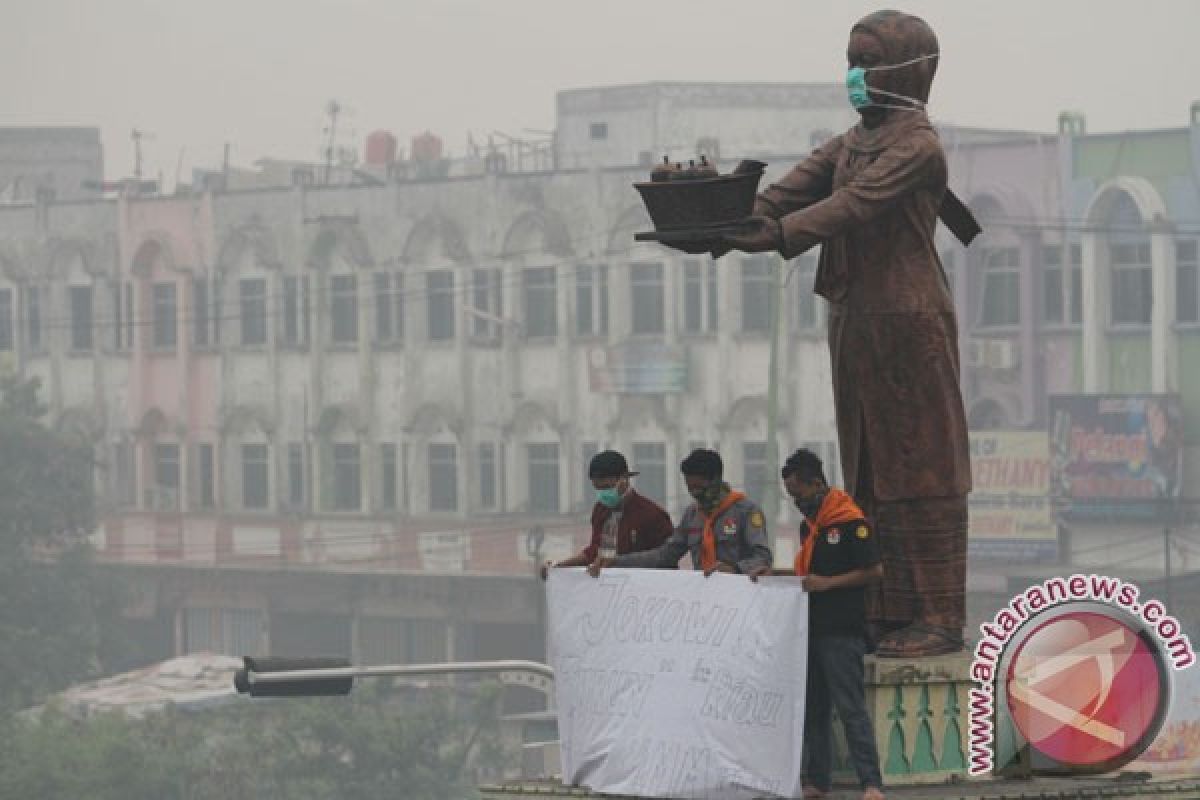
{"points": [[919, 710]]}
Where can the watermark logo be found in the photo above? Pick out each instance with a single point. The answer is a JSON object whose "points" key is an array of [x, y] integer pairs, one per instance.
{"points": [[1074, 677]]}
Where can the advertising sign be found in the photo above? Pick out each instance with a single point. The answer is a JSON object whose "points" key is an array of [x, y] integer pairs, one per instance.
{"points": [[1115, 456], [638, 368], [1010, 513]]}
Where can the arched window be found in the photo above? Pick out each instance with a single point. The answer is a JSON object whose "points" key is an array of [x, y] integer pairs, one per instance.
{"points": [[1130, 293], [1001, 302]]}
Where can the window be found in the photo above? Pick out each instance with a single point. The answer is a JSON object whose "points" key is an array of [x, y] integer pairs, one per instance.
{"points": [[254, 476], [347, 477], [389, 307], [387, 475], [487, 302], [33, 318], [1062, 291], [487, 476], [81, 318], [295, 472], [122, 316], [163, 334], [295, 311], [803, 278], [1001, 288], [543, 478], [443, 477], [650, 460], [756, 293], [541, 306], [204, 479], [1130, 291], [699, 295], [1187, 283], [343, 309], [598, 131], [586, 451], [439, 290], [591, 300], [6, 320], [253, 296], [755, 474], [206, 312], [166, 478], [646, 285]]}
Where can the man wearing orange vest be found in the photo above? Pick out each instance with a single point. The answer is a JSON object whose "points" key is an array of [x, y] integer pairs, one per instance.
{"points": [[724, 531], [838, 558]]}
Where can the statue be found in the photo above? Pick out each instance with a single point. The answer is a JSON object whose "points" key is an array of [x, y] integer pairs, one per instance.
{"points": [[871, 197]]}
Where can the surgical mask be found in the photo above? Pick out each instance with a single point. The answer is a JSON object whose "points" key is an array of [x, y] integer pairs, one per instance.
{"points": [[810, 506], [859, 93], [609, 498]]}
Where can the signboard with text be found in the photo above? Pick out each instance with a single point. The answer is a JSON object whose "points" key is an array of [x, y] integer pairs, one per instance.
{"points": [[638, 368], [1010, 513], [1115, 456]]}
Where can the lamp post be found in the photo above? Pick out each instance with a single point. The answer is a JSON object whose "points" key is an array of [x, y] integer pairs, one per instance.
{"points": [[771, 487]]}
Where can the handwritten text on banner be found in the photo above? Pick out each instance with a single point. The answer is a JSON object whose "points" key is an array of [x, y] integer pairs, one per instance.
{"points": [[670, 684]]}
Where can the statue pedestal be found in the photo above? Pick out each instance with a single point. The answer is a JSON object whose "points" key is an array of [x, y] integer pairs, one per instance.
{"points": [[919, 708]]}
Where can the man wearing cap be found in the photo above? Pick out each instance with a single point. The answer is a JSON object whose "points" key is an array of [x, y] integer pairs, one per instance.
{"points": [[623, 521], [723, 530]]}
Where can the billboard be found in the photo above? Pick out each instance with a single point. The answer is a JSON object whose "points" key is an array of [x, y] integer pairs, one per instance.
{"points": [[1115, 456], [638, 368], [1010, 513]]}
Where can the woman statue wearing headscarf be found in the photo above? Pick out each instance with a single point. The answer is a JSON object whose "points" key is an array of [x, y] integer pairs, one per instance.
{"points": [[871, 197]]}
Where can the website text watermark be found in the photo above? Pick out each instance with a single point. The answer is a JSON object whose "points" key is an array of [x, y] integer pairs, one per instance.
{"points": [[1052, 593]]}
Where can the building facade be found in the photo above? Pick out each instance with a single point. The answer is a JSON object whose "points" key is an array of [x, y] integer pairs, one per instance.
{"points": [[355, 418]]}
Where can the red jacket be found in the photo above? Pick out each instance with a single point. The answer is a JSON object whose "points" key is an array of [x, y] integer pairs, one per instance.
{"points": [[644, 525]]}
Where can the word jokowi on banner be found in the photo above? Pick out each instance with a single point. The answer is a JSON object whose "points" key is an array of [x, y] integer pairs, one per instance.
{"points": [[670, 684]]}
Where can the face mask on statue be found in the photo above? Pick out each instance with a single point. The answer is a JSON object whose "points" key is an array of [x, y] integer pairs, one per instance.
{"points": [[860, 94]]}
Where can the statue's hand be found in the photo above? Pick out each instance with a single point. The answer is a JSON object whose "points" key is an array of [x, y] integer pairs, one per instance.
{"points": [[762, 235], [715, 247]]}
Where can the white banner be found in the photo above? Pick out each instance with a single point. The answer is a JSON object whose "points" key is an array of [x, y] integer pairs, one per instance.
{"points": [[670, 684]]}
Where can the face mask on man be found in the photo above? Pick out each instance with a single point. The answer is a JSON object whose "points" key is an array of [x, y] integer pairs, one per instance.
{"points": [[708, 497], [609, 498], [810, 506], [860, 93]]}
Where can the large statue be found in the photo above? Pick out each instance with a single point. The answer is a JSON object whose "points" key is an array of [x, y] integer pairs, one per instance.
{"points": [[872, 197]]}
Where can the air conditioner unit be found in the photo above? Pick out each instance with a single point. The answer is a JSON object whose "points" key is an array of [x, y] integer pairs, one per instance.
{"points": [[991, 353]]}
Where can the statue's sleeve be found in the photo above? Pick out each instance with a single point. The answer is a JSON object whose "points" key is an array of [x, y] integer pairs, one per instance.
{"points": [[908, 166], [807, 182]]}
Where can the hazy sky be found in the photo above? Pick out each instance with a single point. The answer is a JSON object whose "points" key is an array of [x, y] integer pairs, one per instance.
{"points": [[258, 73]]}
